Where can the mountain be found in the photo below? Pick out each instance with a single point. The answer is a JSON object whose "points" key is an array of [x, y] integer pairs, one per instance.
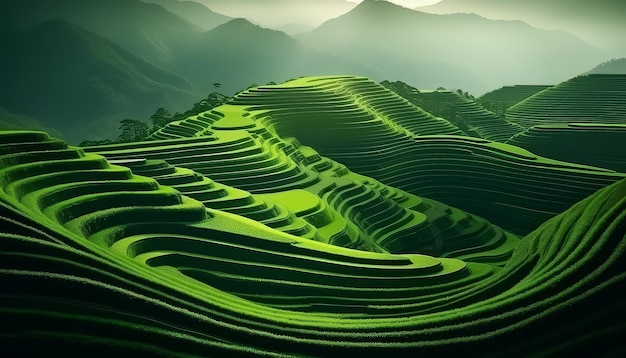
{"points": [[195, 12], [616, 66], [235, 54], [82, 84], [276, 13], [600, 22], [460, 50], [239, 53], [146, 30]]}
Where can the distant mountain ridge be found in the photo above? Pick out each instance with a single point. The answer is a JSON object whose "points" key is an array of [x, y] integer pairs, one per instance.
{"points": [[180, 57], [80, 83], [277, 13], [600, 22], [462, 50], [193, 11]]}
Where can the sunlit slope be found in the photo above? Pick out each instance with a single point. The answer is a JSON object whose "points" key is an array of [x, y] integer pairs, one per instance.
{"points": [[511, 187], [334, 205], [341, 105], [459, 110], [601, 145], [110, 211], [594, 98], [159, 282]]}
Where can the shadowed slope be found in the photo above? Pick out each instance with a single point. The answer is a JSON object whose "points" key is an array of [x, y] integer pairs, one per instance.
{"points": [[595, 98], [63, 75], [560, 290], [500, 100], [600, 145]]}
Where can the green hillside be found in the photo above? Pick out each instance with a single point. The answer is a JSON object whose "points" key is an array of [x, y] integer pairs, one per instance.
{"points": [[500, 100], [146, 30], [377, 133], [291, 188], [63, 75], [601, 145], [97, 258], [460, 109], [595, 98]]}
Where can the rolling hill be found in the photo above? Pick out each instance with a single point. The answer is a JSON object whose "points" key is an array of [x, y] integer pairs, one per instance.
{"points": [[594, 98], [458, 108], [600, 23], [581, 120], [376, 133], [239, 239], [63, 75], [455, 51], [500, 100], [613, 67]]}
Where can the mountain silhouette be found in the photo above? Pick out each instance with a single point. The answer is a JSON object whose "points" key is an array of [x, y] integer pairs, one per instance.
{"points": [[239, 53], [461, 50], [80, 83], [193, 11], [277, 13], [600, 22]]}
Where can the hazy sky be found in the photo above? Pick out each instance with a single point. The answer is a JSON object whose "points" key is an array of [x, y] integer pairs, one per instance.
{"points": [[408, 3]]}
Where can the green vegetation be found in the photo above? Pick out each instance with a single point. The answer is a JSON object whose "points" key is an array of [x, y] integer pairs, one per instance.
{"points": [[460, 109], [377, 133], [595, 98], [298, 219], [500, 100], [600, 145]]}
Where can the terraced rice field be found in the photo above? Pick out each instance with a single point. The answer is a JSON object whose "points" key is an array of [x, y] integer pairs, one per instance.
{"points": [[601, 145], [503, 98], [311, 218], [466, 114], [595, 98]]}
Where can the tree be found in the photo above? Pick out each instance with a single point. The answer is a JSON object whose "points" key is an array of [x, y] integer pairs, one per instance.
{"points": [[160, 119], [213, 100], [132, 130]]}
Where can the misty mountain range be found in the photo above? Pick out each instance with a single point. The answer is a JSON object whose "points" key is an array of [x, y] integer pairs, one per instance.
{"points": [[80, 66], [599, 22]]}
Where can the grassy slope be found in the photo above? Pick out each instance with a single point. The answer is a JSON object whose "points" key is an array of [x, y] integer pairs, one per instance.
{"points": [[376, 133], [561, 283]]}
